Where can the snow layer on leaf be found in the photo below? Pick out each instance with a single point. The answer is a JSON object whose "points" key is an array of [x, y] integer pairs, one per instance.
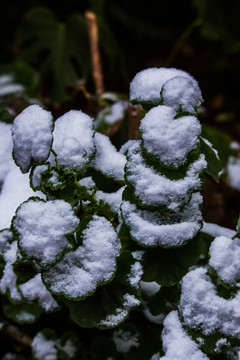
{"points": [[168, 139], [8, 281], [155, 319], [42, 226], [108, 160], [35, 290], [73, 140], [202, 308], [6, 161], [147, 84], [79, 273], [114, 199], [150, 288], [154, 189], [15, 190], [6, 237], [124, 148], [36, 179], [111, 114], [217, 230], [233, 171], [224, 259], [177, 345], [32, 136], [182, 94], [43, 349], [129, 303], [152, 228], [124, 340]]}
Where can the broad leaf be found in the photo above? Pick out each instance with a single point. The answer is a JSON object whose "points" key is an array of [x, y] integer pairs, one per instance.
{"points": [[24, 313], [214, 166]]}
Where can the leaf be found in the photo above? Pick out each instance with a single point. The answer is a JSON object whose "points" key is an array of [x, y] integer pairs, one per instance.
{"points": [[214, 166], [168, 266], [69, 347], [59, 49], [5, 116], [103, 348], [23, 313], [109, 305]]}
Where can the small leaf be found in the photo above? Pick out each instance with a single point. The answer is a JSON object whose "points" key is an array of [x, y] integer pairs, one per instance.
{"points": [[5, 116], [168, 266], [214, 166], [23, 313]]}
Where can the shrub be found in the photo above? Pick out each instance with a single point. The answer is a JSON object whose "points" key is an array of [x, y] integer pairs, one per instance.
{"points": [[115, 240]]}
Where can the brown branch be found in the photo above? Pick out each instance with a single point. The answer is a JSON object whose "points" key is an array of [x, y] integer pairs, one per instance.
{"points": [[14, 333], [95, 54]]}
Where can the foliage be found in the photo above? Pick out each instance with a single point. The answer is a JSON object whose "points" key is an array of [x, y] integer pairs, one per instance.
{"points": [[105, 260]]}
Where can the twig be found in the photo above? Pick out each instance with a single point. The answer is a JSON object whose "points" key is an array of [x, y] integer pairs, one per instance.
{"points": [[14, 333], [181, 41], [95, 54]]}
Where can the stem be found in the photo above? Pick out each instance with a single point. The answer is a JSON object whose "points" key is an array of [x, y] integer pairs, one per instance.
{"points": [[181, 41], [95, 54], [14, 333]]}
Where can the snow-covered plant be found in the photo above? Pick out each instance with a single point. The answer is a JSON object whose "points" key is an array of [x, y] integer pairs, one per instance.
{"points": [[98, 233]]}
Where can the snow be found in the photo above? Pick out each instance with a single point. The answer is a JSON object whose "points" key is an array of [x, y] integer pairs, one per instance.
{"points": [[177, 345], [35, 290], [233, 171], [150, 288], [15, 190], [44, 349], [182, 93], [113, 199], [111, 114], [32, 136], [124, 148], [120, 314], [135, 275], [168, 139], [41, 227], [8, 279], [8, 87], [6, 161], [217, 230], [124, 340], [155, 319], [154, 189], [79, 273], [224, 259], [73, 140], [108, 160], [6, 237], [147, 85], [68, 348], [152, 228], [202, 308], [36, 178]]}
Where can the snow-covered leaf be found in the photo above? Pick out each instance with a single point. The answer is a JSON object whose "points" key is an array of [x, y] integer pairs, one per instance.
{"points": [[42, 227], [22, 313], [110, 304], [93, 263]]}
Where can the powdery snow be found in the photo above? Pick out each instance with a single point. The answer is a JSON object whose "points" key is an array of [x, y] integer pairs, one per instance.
{"points": [[202, 308], [44, 349], [73, 140], [147, 85], [217, 230], [150, 288], [233, 171], [177, 345], [36, 176], [32, 136], [169, 139], [113, 200], [42, 226], [35, 290], [124, 340], [6, 161], [154, 189], [15, 190], [152, 228], [111, 114], [108, 160], [79, 273], [224, 259]]}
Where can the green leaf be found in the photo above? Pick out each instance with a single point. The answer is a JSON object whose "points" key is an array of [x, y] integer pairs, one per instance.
{"points": [[5, 116], [70, 348], [23, 313], [109, 305], [103, 348], [159, 303], [214, 166], [168, 266], [59, 49]]}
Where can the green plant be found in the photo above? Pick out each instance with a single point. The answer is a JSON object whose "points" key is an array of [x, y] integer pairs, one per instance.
{"points": [[109, 239]]}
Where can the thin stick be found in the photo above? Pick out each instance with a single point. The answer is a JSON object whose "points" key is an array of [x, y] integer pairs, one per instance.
{"points": [[14, 333], [95, 54]]}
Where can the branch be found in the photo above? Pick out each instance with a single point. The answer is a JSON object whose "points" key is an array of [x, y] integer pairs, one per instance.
{"points": [[95, 54], [14, 333]]}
